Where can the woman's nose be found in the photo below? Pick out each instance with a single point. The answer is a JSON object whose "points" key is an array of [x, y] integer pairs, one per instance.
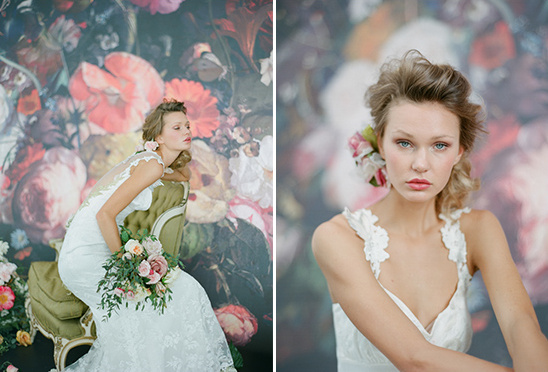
{"points": [[420, 161]]}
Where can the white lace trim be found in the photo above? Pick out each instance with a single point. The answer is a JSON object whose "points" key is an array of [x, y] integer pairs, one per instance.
{"points": [[376, 238]]}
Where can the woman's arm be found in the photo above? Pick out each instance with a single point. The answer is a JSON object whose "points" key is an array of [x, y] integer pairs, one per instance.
{"points": [[513, 309], [178, 175], [339, 252], [143, 175]]}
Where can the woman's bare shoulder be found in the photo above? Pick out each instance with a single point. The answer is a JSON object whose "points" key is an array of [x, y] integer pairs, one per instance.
{"points": [[335, 232], [479, 221]]}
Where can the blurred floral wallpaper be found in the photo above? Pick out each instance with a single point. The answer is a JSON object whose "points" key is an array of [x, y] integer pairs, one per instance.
{"points": [[77, 79], [327, 54]]}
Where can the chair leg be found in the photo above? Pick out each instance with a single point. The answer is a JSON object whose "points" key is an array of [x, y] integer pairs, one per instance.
{"points": [[32, 319], [63, 346]]}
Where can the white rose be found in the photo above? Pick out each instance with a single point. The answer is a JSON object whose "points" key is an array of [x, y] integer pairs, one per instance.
{"points": [[133, 246]]}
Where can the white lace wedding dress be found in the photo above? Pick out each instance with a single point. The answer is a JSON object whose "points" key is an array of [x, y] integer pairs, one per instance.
{"points": [[452, 328], [187, 337]]}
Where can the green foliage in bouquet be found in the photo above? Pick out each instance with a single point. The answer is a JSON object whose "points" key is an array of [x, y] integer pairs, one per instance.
{"points": [[13, 291], [141, 271]]}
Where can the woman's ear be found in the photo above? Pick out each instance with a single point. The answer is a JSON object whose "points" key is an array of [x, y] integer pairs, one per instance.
{"points": [[159, 139], [380, 145], [459, 155]]}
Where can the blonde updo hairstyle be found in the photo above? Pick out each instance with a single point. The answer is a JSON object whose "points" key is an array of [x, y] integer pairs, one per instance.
{"points": [[415, 79], [154, 123]]}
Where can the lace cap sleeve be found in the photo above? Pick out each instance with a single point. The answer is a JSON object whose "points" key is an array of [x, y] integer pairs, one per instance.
{"points": [[452, 236], [147, 156], [375, 238]]}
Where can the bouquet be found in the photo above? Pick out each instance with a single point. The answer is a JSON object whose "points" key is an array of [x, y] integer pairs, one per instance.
{"points": [[14, 324], [141, 271]]}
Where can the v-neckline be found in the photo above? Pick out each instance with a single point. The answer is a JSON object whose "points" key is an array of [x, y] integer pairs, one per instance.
{"points": [[411, 314], [402, 305]]}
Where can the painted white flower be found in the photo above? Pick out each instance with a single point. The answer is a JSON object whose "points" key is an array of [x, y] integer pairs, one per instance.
{"points": [[19, 239], [6, 270], [3, 248], [266, 70], [252, 176]]}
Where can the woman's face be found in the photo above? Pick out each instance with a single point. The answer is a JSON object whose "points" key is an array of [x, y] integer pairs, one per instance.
{"points": [[420, 146], [175, 133]]}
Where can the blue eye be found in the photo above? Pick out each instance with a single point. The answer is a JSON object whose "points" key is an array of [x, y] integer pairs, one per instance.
{"points": [[440, 146], [404, 144]]}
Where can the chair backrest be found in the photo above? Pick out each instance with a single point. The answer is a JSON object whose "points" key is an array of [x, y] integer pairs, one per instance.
{"points": [[166, 216]]}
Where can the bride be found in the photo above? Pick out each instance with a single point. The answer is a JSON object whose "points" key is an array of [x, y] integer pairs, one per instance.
{"points": [[187, 336], [402, 305]]}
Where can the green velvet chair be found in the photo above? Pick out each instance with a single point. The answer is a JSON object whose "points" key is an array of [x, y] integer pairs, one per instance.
{"points": [[58, 314]]}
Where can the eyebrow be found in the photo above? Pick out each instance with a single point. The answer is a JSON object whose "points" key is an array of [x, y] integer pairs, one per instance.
{"points": [[405, 134]]}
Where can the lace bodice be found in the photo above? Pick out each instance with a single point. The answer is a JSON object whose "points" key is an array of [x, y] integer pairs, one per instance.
{"points": [[452, 327]]}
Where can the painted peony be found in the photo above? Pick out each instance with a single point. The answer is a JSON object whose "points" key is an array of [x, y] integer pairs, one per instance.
{"points": [[238, 324], [210, 185], [250, 211], [160, 6], [201, 106], [7, 298], [117, 100], [252, 175], [6, 271], [49, 194]]}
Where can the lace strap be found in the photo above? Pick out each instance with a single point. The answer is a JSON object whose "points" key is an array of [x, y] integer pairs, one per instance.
{"points": [[146, 156], [375, 238], [453, 237]]}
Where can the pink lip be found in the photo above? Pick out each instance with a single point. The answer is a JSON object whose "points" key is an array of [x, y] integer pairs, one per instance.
{"points": [[189, 139], [419, 184]]}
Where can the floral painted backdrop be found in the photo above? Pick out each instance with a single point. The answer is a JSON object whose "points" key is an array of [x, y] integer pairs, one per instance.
{"points": [[328, 53], [77, 79]]}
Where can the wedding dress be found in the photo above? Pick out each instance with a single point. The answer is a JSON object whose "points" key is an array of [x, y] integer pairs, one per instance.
{"points": [[187, 337], [452, 327]]}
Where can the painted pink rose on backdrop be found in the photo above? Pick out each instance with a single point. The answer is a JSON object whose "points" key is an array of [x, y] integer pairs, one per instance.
{"points": [[117, 100], [160, 6], [49, 194], [250, 211], [238, 324], [201, 106]]}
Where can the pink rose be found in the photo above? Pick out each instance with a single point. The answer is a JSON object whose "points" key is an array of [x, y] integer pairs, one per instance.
{"points": [[151, 145], [7, 298], [238, 324], [158, 264], [153, 247], [12, 368], [49, 194], [359, 145], [118, 291], [144, 268]]}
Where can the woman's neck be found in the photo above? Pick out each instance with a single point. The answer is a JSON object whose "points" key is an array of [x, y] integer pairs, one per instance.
{"points": [[168, 157], [403, 216]]}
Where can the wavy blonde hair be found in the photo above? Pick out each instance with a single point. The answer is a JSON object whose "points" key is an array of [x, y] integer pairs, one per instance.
{"points": [[415, 79], [154, 124]]}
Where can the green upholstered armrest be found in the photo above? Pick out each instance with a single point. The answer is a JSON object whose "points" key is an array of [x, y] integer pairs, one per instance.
{"points": [[165, 217]]}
